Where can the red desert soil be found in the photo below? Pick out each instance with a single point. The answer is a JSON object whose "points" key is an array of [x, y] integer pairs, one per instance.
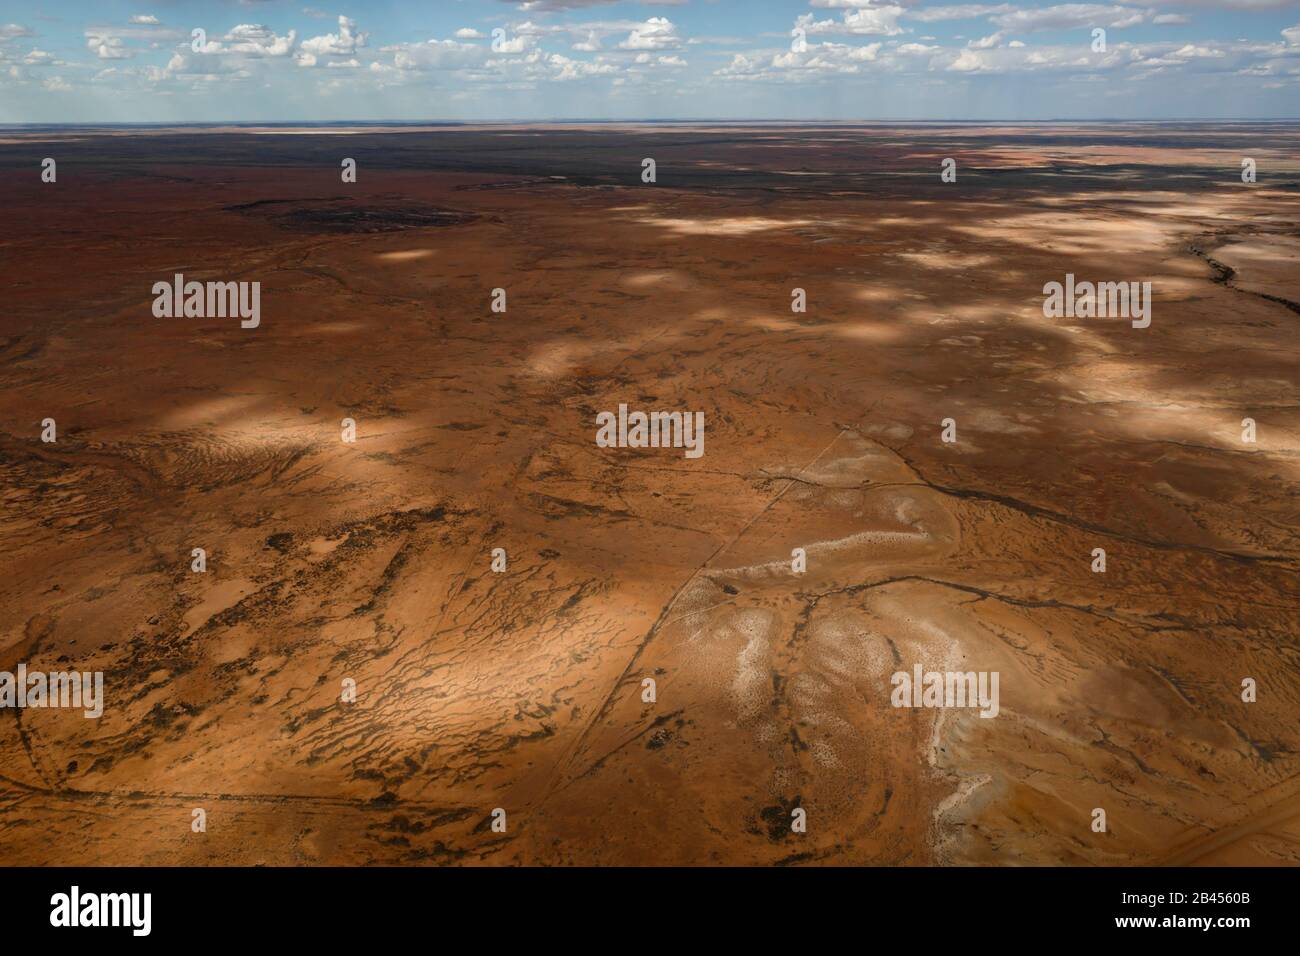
{"points": [[371, 561]]}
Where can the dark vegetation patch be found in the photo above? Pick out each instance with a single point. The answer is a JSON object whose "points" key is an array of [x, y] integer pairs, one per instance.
{"points": [[344, 215]]}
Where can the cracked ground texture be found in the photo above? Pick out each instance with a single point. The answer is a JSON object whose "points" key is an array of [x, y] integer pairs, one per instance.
{"points": [[523, 690]]}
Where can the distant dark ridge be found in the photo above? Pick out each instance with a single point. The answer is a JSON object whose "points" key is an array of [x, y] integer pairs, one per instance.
{"points": [[820, 162]]}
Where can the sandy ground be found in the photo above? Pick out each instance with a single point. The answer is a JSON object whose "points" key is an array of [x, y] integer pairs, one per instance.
{"points": [[371, 561]]}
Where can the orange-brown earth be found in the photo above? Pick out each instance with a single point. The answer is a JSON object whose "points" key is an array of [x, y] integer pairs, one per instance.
{"points": [[371, 561]]}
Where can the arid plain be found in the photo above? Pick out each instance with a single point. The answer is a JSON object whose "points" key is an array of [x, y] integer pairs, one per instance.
{"points": [[370, 561]]}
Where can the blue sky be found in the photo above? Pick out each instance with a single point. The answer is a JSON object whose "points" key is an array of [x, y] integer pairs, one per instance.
{"points": [[269, 60]]}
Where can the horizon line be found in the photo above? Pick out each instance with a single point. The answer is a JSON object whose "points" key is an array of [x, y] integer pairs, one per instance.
{"points": [[678, 120]]}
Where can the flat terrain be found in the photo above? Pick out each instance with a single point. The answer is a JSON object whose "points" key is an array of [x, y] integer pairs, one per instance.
{"points": [[371, 561]]}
